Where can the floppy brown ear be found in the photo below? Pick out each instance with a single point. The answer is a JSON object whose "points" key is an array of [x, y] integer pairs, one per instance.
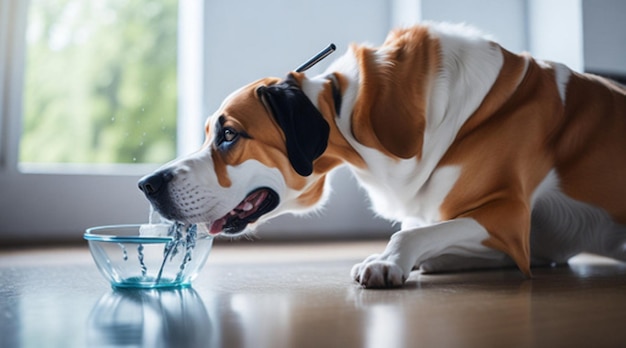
{"points": [[306, 131], [389, 114]]}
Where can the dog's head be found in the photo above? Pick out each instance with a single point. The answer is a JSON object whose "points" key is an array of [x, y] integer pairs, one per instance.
{"points": [[257, 161]]}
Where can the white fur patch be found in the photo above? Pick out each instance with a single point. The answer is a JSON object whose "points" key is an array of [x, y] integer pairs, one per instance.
{"points": [[349, 68], [403, 189], [412, 248], [562, 74], [470, 66], [460, 237], [312, 88], [197, 194]]}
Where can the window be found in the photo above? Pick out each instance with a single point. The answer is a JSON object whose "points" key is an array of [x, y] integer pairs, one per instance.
{"points": [[100, 82], [107, 74]]}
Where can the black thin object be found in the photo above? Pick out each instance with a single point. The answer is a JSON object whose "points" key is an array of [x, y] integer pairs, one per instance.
{"points": [[315, 59]]}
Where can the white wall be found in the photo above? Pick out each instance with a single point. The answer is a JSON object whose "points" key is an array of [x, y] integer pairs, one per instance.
{"points": [[604, 33], [504, 20], [555, 31], [247, 39]]}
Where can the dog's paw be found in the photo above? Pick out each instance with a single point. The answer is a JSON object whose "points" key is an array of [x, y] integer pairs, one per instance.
{"points": [[376, 272]]}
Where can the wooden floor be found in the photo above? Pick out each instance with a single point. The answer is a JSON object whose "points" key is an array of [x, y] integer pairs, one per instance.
{"points": [[301, 295]]}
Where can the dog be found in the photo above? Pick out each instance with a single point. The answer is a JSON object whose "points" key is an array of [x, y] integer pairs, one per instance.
{"points": [[487, 158]]}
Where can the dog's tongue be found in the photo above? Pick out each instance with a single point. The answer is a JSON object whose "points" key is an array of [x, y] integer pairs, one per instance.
{"points": [[248, 206], [217, 226]]}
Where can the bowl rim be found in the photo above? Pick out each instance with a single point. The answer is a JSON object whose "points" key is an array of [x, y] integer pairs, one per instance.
{"points": [[92, 235]]}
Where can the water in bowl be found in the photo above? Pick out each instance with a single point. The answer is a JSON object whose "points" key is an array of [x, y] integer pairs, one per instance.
{"points": [[183, 241], [161, 256]]}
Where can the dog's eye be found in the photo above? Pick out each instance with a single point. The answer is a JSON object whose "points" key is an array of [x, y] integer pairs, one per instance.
{"points": [[229, 134]]}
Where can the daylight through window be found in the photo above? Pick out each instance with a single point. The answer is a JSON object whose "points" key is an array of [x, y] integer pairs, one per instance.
{"points": [[100, 82]]}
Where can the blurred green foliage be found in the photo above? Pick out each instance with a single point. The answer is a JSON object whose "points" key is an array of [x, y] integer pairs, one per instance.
{"points": [[100, 84]]}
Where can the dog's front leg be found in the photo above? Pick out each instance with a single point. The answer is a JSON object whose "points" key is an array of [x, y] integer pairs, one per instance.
{"points": [[409, 248]]}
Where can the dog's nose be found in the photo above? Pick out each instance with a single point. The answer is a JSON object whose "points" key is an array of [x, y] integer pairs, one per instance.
{"points": [[151, 184]]}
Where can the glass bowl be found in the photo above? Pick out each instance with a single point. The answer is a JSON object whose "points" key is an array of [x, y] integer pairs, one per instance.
{"points": [[149, 256]]}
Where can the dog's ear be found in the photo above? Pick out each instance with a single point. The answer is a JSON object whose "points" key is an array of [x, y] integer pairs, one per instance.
{"points": [[390, 112], [305, 129]]}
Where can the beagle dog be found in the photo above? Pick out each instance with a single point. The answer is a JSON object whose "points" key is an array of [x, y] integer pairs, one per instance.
{"points": [[487, 158]]}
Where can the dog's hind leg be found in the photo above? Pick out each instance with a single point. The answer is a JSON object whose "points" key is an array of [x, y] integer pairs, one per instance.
{"points": [[410, 248], [562, 227], [612, 242]]}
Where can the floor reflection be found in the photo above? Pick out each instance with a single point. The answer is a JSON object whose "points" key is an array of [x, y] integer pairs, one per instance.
{"points": [[150, 318], [309, 305]]}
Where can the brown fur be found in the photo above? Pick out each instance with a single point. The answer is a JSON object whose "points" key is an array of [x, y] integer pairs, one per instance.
{"points": [[591, 148], [266, 143], [390, 112], [519, 133]]}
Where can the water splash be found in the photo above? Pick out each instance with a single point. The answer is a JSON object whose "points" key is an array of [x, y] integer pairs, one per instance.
{"points": [[124, 251], [190, 243], [183, 241], [152, 215], [176, 231], [140, 256]]}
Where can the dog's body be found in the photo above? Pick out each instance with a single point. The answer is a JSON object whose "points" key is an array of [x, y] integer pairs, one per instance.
{"points": [[471, 147]]}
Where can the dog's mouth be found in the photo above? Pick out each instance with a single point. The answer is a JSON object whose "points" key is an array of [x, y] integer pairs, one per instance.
{"points": [[250, 209]]}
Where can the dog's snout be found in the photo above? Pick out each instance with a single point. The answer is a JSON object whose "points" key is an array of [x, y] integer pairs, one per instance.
{"points": [[153, 183]]}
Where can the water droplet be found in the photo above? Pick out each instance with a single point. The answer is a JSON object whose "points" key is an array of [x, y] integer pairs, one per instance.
{"points": [[124, 252]]}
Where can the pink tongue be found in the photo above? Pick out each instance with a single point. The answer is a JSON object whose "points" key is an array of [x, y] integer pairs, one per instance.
{"points": [[242, 210], [217, 226]]}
